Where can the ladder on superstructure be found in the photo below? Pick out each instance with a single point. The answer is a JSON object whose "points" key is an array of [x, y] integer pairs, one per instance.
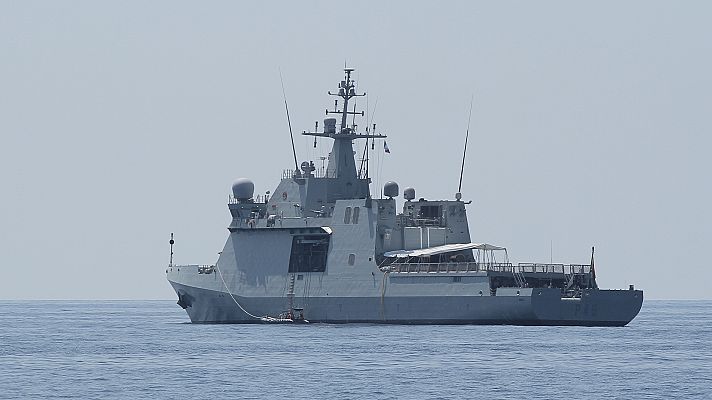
{"points": [[290, 296], [518, 276], [570, 279]]}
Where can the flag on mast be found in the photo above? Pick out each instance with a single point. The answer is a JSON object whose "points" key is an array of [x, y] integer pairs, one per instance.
{"points": [[385, 147]]}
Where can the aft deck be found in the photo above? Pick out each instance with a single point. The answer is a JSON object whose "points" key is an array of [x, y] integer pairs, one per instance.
{"points": [[568, 277], [504, 268]]}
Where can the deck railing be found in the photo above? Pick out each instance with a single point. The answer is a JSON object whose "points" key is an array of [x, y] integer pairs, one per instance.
{"points": [[524, 268], [259, 199], [317, 173], [419, 268], [201, 268]]}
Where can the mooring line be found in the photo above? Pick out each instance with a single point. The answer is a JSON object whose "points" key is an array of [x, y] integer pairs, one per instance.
{"points": [[233, 297]]}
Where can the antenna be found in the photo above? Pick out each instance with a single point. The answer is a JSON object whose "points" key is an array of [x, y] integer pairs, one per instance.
{"points": [[289, 122], [593, 272], [171, 242], [316, 129], [347, 91], [458, 195], [353, 119], [345, 133]]}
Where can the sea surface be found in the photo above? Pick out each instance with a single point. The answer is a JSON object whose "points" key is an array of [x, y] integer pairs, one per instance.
{"points": [[148, 350]]}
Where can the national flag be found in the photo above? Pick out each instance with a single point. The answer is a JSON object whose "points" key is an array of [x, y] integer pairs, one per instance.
{"points": [[385, 147]]}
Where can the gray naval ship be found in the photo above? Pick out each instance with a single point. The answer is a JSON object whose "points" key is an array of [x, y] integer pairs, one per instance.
{"points": [[322, 249]]}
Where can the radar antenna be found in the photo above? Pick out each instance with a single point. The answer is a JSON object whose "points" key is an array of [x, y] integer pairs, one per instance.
{"points": [[342, 164], [347, 91]]}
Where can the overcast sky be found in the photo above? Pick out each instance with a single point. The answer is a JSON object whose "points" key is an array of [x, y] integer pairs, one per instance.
{"points": [[121, 122]]}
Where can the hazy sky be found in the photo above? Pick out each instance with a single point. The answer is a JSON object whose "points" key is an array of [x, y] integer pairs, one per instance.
{"points": [[121, 122]]}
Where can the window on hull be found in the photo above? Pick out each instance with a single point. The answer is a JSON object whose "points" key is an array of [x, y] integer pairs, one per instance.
{"points": [[347, 215], [309, 253]]}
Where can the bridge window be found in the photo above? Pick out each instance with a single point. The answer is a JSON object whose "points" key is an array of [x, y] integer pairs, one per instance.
{"points": [[356, 213], [347, 215], [352, 259], [429, 212], [309, 253]]}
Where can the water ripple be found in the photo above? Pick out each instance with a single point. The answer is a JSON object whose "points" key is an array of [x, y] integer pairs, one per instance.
{"points": [[144, 350]]}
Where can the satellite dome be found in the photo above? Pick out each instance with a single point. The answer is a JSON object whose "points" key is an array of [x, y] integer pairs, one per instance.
{"points": [[243, 189], [409, 193], [390, 189]]}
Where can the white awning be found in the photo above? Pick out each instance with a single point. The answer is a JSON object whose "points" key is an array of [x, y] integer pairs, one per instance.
{"points": [[447, 248]]}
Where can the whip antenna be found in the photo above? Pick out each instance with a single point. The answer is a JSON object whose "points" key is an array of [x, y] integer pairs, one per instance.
{"points": [[289, 122], [458, 195]]}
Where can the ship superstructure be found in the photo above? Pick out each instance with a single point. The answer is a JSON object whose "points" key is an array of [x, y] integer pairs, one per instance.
{"points": [[320, 248]]}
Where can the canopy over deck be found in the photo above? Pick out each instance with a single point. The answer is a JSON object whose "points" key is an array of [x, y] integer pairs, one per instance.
{"points": [[447, 248]]}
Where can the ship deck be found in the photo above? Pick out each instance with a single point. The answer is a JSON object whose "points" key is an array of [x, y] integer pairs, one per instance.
{"points": [[493, 268]]}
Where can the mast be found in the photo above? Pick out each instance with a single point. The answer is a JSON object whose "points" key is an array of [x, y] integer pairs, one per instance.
{"points": [[341, 162], [347, 90], [171, 242]]}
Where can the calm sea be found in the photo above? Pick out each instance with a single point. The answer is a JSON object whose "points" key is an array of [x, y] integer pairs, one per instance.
{"points": [[146, 349]]}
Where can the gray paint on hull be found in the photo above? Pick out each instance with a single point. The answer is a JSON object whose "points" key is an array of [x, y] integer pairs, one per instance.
{"points": [[595, 308]]}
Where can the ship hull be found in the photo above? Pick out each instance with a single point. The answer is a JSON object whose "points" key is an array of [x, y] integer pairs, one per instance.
{"points": [[510, 306]]}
